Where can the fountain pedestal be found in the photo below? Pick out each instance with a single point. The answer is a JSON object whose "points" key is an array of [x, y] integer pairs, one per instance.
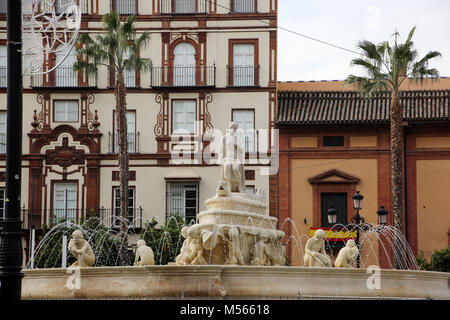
{"points": [[234, 230]]}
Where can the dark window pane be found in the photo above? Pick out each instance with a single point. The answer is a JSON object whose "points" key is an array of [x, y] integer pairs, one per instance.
{"points": [[337, 141]]}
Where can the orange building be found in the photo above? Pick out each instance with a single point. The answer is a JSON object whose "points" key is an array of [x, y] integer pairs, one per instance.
{"points": [[334, 142]]}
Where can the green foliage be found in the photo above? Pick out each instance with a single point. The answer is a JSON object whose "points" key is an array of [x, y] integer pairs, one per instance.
{"points": [[117, 48], [104, 243], [440, 261], [165, 240], [388, 65], [422, 262]]}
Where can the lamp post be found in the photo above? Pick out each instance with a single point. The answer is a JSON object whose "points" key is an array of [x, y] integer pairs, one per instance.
{"points": [[382, 216], [357, 219], [332, 215], [11, 230]]}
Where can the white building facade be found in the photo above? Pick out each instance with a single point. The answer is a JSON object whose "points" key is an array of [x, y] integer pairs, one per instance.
{"points": [[213, 62]]}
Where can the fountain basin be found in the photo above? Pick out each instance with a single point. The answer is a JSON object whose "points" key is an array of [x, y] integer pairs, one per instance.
{"points": [[238, 201], [231, 282], [235, 217]]}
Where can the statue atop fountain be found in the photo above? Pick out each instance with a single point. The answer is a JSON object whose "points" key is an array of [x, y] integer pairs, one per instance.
{"points": [[233, 161], [81, 250], [315, 255], [347, 255], [144, 255], [235, 229]]}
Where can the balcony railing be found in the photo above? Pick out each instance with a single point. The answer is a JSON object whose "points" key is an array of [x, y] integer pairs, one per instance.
{"points": [[126, 7], [250, 139], [184, 6], [112, 218], [243, 76], [183, 76], [2, 6], [129, 77], [55, 216], [2, 143], [63, 77], [109, 217], [3, 72], [62, 5], [133, 142], [243, 6]]}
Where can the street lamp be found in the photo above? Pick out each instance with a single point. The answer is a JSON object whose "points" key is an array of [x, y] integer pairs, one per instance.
{"points": [[382, 216], [332, 215], [357, 204], [357, 219]]}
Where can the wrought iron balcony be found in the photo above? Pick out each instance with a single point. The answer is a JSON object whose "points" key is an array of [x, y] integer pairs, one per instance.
{"points": [[250, 139], [32, 218], [133, 142], [63, 77], [184, 6], [243, 6], [3, 72], [61, 5], [125, 7], [129, 77], [2, 6], [2, 143], [243, 76], [109, 217], [112, 218], [183, 77]]}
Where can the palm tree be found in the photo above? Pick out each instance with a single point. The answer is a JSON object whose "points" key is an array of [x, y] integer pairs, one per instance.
{"points": [[387, 68], [117, 49]]}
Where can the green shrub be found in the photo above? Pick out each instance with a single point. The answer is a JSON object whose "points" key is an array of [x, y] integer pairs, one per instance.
{"points": [[440, 261], [422, 262], [165, 240]]}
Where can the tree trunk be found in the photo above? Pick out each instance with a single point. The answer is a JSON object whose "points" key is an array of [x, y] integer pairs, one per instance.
{"points": [[396, 135], [121, 111]]}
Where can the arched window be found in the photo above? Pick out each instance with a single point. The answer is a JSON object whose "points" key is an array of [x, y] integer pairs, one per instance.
{"points": [[65, 76], [184, 68]]}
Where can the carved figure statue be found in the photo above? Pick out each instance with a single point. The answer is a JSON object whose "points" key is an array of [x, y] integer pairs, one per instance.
{"points": [[259, 251], [274, 253], [233, 160], [315, 255], [144, 255], [196, 251], [183, 257], [222, 190], [81, 250], [234, 247], [347, 255]]}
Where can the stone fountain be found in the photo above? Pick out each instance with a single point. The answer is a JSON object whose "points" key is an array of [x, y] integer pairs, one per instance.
{"points": [[236, 251], [235, 229]]}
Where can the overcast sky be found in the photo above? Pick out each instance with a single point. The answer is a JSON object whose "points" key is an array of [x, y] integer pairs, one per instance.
{"points": [[346, 22]]}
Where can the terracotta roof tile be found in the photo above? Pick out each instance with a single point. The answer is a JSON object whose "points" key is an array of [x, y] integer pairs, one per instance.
{"points": [[347, 107]]}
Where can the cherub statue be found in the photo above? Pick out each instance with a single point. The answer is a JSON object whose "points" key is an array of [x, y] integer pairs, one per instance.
{"points": [[259, 251], [144, 255], [196, 251], [234, 247], [315, 255], [81, 250], [183, 257], [347, 255], [233, 160]]}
